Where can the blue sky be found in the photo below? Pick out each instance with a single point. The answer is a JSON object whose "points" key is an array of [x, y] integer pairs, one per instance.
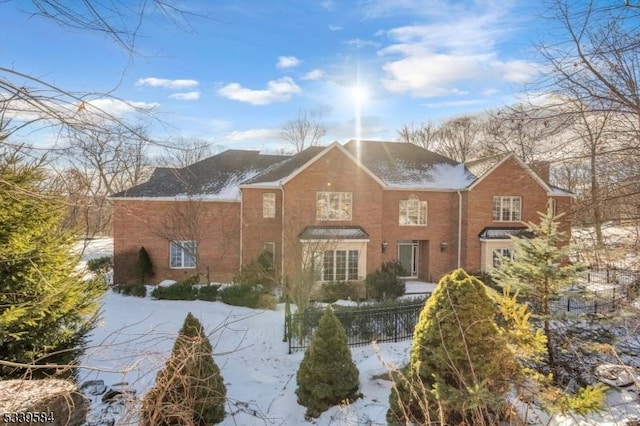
{"points": [[235, 77]]}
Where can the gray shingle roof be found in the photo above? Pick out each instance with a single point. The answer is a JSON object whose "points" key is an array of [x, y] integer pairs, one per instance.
{"points": [[490, 233], [333, 233], [402, 164], [279, 171], [213, 177]]}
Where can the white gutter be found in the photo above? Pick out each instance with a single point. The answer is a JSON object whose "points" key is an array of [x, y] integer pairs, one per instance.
{"points": [[459, 226]]}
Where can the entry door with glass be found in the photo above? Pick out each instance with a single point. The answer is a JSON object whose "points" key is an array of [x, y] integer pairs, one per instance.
{"points": [[408, 258]]}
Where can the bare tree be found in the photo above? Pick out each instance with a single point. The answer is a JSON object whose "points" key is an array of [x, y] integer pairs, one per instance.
{"points": [[182, 152], [97, 163], [459, 138], [303, 131], [424, 135], [529, 131]]}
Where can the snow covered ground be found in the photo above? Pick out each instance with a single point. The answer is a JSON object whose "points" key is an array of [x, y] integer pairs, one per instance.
{"points": [[135, 337]]}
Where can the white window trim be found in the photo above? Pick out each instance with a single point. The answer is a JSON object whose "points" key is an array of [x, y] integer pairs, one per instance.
{"points": [[180, 244], [333, 277], [269, 205], [422, 208], [502, 199], [507, 252], [326, 213]]}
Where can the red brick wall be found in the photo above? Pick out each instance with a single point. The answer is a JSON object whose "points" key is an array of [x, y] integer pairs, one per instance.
{"points": [[333, 172], [509, 179], [442, 223], [146, 223], [256, 229]]}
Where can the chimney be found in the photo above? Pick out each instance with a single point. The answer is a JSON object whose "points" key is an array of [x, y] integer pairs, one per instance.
{"points": [[542, 169]]}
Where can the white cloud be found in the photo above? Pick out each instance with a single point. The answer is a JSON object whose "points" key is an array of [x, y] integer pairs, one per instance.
{"points": [[449, 104], [315, 74], [276, 91], [425, 74], [447, 55], [287, 62], [329, 5], [359, 43], [168, 84], [517, 71], [334, 27], [252, 134], [119, 107], [186, 96]]}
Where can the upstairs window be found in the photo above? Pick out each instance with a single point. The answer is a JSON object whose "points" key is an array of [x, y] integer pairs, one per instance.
{"points": [[269, 205], [333, 205], [182, 254], [507, 209], [413, 212]]}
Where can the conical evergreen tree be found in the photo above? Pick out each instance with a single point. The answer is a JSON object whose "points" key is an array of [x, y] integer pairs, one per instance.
{"points": [[189, 390], [327, 374], [46, 306], [144, 267], [460, 365], [539, 270]]}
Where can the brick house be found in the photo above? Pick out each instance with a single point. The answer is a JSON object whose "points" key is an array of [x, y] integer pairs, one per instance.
{"points": [[340, 210]]}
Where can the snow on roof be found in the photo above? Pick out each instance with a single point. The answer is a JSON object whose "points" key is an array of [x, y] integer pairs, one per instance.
{"points": [[436, 176]]}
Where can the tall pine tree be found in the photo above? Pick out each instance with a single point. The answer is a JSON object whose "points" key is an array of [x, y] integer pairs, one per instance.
{"points": [[189, 390], [46, 306], [540, 270]]}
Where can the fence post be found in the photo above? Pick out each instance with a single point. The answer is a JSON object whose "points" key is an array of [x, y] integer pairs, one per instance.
{"points": [[595, 306], [395, 325], [568, 304]]}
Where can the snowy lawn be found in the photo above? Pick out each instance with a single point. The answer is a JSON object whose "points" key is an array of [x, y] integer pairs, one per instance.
{"points": [[136, 336]]}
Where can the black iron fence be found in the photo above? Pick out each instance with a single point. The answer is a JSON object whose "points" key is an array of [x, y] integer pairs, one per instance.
{"points": [[600, 291], [362, 325]]}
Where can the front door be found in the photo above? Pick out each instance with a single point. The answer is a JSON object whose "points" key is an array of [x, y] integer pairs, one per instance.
{"points": [[408, 258]]}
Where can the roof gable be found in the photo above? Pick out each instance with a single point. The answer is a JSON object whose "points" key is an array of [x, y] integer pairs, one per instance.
{"points": [[527, 169]]}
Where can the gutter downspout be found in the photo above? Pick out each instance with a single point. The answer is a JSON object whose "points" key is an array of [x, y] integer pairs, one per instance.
{"points": [[459, 226]]}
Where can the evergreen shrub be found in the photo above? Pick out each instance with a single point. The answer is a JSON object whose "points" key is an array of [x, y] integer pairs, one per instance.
{"points": [[240, 295], [100, 265], [143, 266], [460, 365], [339, 290], [182, 290], [137, 290], [189, 390], [208, 293], [385, 282], [327, 375], [261, 272]]}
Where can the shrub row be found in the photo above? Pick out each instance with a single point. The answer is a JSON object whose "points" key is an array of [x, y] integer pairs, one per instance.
{"points": [[137, 290]]}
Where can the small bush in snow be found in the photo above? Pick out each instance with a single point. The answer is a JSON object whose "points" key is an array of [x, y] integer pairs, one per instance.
{"points": [[327, 375], [385, 283], [345, 290], [208, 293], [183, 290], [100, 265], [189, 390], [241, 295], [138, 290]]}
